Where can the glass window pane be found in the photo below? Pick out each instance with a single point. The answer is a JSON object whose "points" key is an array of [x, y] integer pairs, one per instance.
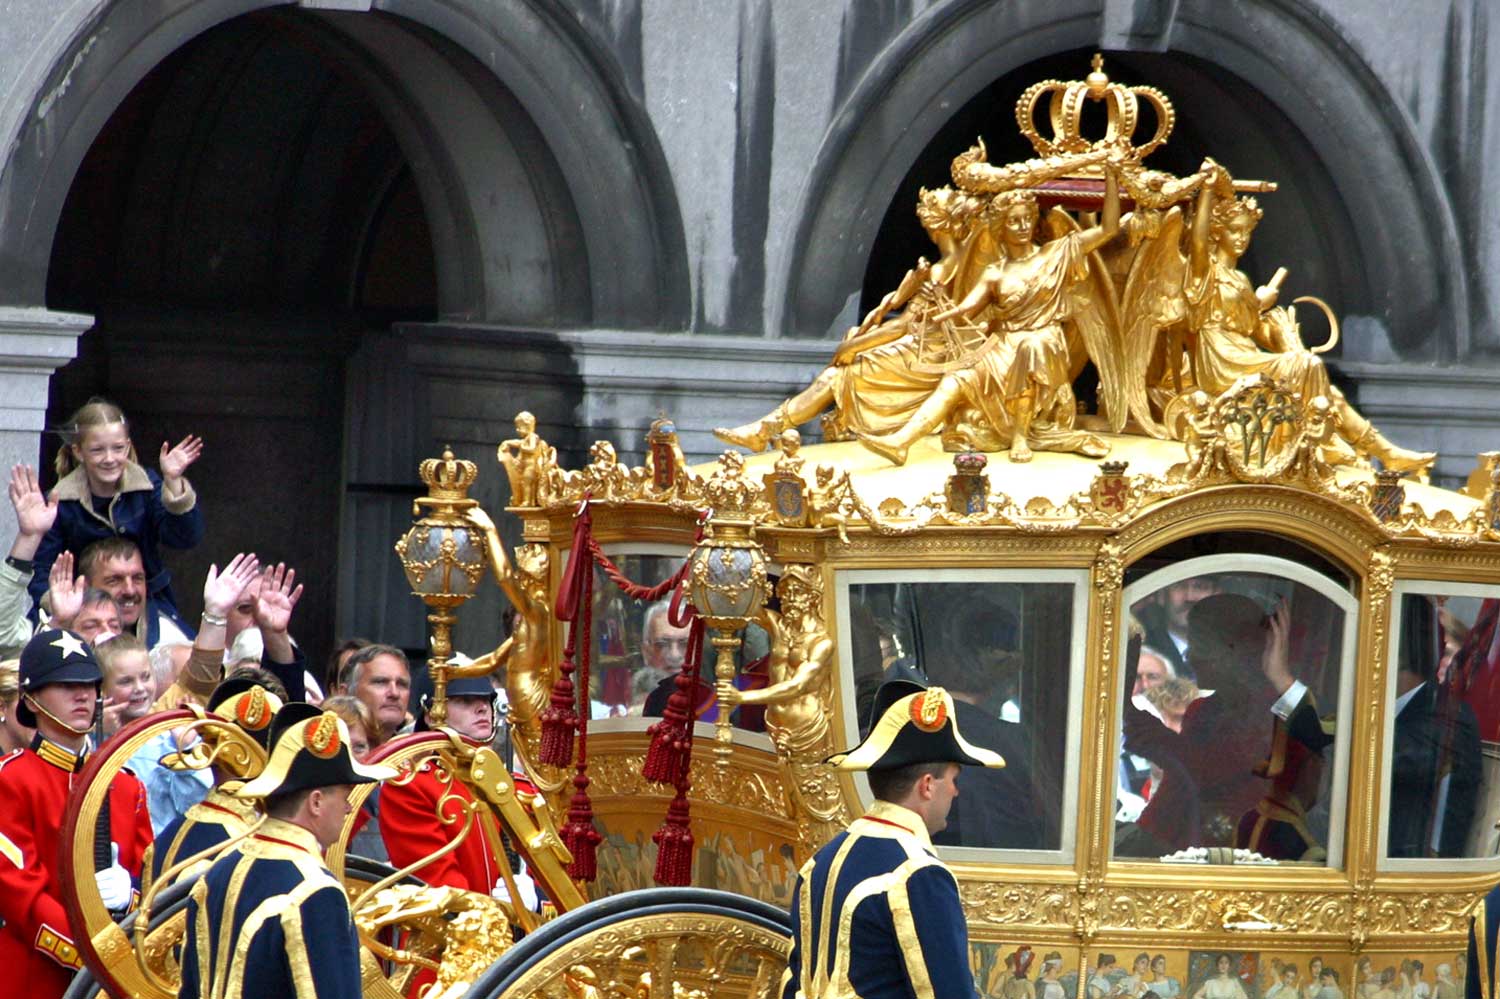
{"points": [[1232, 681], [638, 652], [636, 649], [1004, 651], [1444, 725]]}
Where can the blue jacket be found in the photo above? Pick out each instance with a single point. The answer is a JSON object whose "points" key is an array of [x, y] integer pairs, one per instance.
{"points": [[287, 923], [138, 511], [1479, 982], [877, 915]]}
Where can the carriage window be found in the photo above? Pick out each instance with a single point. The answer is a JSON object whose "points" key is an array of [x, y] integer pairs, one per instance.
{"points": [[1443, 723], [1229, 721], [638, 651], [1009, 651]]}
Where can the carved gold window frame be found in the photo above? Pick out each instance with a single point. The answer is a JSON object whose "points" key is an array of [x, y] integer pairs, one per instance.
{"points": [[1275, 566], [1072, 783]]}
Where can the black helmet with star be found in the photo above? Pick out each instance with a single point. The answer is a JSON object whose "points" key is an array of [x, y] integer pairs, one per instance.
{"points": [[54, 656]]}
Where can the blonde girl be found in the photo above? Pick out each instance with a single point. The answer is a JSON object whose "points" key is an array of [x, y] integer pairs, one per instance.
{"points": [[103, 492]]}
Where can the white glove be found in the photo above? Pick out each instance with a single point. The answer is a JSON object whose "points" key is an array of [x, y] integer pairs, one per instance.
{"points": [[524, 885], [114, 882], [1130, 806]]}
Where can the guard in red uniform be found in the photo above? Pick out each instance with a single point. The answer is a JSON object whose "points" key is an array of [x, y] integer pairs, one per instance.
{"points": [[411, 830], [59, 688], [408, 812]]}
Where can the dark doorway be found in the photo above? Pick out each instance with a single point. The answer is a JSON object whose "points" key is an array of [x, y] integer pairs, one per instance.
{"points": [[241, 223]]}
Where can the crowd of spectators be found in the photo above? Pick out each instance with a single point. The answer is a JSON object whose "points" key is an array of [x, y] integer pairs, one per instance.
{"points": [[86, 558]]}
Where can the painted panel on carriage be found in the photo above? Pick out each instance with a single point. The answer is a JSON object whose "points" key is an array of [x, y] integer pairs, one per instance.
{"points": [[1023, 971], [747, 861]]}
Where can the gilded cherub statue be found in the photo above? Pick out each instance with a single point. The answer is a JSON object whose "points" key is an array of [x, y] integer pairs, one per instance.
{"points": [[801, 650], [1232, 327], [790, 462], [826, 500], [526, 459]]}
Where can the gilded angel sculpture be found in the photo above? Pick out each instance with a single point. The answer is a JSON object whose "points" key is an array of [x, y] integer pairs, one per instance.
{"points": [[875, 380], [1219, 327]]}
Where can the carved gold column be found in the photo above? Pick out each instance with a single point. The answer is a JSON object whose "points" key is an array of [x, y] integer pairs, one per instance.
{"points": [[1365, 791], [1095, 811]]}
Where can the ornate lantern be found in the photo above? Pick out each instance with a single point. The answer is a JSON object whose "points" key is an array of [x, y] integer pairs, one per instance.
{"points": [[444, 559], [727, 575]]}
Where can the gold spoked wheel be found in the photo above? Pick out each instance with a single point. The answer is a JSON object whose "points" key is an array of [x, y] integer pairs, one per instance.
{"points": [[682, 942]]}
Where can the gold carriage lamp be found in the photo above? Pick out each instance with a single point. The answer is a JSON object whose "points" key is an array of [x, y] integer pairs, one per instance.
{"points": [[727, 575], [443, 562]]}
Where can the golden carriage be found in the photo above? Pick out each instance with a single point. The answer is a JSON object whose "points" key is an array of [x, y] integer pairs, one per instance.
{"points": [[1052, 596]]}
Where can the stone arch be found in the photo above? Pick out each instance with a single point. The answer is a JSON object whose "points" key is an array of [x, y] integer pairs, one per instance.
{"points": [[543, 185], [1413, 287]]}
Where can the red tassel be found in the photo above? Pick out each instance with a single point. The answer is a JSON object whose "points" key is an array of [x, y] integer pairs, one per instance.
{"points": [[560, 720], [579, 834], [667, 758], [674, 843], [671, 749]]}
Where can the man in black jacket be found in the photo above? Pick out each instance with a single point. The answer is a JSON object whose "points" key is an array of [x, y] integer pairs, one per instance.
{"points": [[1435, 764]]}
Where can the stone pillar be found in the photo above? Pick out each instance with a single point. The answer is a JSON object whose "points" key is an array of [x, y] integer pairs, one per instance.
{"points": [[33, 344]]}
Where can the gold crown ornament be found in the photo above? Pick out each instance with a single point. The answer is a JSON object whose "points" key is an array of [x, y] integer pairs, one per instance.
{"points": [[1066, 107]]}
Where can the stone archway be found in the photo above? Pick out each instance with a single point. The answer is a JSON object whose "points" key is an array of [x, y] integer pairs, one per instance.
{"points": [[537, 174], [245, 196], [1413, 288]]}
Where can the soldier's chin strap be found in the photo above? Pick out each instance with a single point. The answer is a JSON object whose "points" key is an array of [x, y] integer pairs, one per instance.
{"points": [[33, 705]]}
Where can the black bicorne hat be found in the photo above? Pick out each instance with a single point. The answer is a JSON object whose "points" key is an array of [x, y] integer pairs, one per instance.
{"points": [[309, 748], [912, 724], [54, 656], [249, 705]]}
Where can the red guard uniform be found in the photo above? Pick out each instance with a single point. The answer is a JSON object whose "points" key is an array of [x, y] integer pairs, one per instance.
{"points": [[36, 945], [411, 831]]}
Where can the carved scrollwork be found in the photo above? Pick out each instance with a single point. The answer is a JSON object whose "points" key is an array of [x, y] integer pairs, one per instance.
{"points": [[1207, 910], [998, 904], [1447, 912], [1090, 909], [756, 791]]}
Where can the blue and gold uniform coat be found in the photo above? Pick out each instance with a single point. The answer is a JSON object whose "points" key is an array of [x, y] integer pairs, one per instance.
{"points": [[216, 819], [1479, 981], [288, 931], [876, 915]]}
